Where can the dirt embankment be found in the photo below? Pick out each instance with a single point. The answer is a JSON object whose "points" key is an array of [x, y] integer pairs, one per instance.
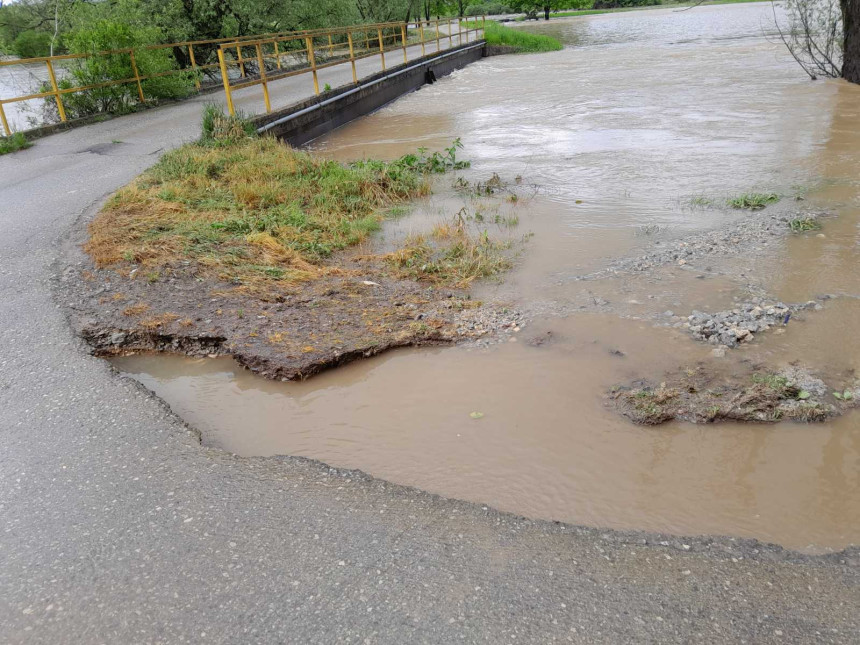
{"points": [[321, 325]]}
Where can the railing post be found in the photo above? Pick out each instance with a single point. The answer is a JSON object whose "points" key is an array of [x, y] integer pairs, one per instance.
{"points": [[6, 127], [60, 107], [277, 54], [460, 30], [309, 41], [241, 60], [450, 34], [381, 47], [438, 46], [194, 66], [403, 42], [421, 33], [263, 78], [352, 56], [330, 46], [136, 76], [225, 78]]}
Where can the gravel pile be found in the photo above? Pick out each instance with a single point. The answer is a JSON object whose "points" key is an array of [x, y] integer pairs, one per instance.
{"points": [[735, 326], [748, 235]]}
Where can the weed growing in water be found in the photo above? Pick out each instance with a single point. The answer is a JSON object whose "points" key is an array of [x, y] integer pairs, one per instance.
{"points": [[421, 162], [804, 224], [754, 201], [701, 201]]}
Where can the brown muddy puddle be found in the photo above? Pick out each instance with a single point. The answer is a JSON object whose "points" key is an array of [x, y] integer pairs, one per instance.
{"points": [[618, 140]]}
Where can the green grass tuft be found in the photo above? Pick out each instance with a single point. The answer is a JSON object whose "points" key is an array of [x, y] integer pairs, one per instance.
{"points": [[13, 143], [754, 201]]}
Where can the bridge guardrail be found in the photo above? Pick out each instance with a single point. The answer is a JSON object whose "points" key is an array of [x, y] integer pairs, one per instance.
{"points": [[305, 54], [229, 51]]}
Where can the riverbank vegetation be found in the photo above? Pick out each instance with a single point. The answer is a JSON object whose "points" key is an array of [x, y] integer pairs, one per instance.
{"points": [[13, 143]]}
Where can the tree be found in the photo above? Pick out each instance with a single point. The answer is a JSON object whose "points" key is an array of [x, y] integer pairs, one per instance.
{"points": [[823, 36], [531, 7], [851, 40]]}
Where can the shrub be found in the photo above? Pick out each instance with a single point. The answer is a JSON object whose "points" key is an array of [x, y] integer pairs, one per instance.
{"points": [[31, 44]]}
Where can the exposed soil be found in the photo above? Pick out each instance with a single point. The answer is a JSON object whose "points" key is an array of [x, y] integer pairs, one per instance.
{"points": [[700, 395], [357, 313]]}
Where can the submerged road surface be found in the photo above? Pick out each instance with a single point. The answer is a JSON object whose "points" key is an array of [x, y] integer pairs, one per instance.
{"points": [[117, 526]]}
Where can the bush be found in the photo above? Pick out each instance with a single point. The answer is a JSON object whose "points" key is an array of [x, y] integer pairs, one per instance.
{"points": [[100, 68], [31, 44]]}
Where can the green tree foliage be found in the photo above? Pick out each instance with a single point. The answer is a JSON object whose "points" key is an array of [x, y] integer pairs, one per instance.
{"points": [[532, 7], [30, 44]]}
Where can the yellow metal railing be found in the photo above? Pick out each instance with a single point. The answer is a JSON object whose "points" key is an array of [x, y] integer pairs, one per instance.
{"points": [[230, 51], [286, 55]]}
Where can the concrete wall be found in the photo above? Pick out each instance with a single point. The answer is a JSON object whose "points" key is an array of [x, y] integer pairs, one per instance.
{"points": [[301, 122]]}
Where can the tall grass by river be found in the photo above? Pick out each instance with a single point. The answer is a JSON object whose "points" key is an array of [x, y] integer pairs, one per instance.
{"points": [[496, 34]]}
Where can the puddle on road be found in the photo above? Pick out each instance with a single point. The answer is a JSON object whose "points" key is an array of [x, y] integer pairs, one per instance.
{"points": [[546, 445], [620, 133]]}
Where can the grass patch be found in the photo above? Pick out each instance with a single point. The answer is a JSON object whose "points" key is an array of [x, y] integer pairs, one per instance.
{"points": [[753, 201], [523, 41], [247, 211], [254, 212], [14, 143], [804, 224]]}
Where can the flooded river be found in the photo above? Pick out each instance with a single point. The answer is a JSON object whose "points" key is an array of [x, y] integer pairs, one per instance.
{"points": [[634, 134], [21, 80]]}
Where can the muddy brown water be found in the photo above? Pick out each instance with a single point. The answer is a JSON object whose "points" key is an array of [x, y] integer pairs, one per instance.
{"points": [[642, 113]]}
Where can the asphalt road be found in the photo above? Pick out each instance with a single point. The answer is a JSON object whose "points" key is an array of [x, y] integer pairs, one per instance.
{"points": [[117, 526]]}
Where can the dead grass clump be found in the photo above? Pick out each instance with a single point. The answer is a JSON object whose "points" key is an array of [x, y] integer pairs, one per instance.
{"points": [[135, 310], [158, 321]]}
